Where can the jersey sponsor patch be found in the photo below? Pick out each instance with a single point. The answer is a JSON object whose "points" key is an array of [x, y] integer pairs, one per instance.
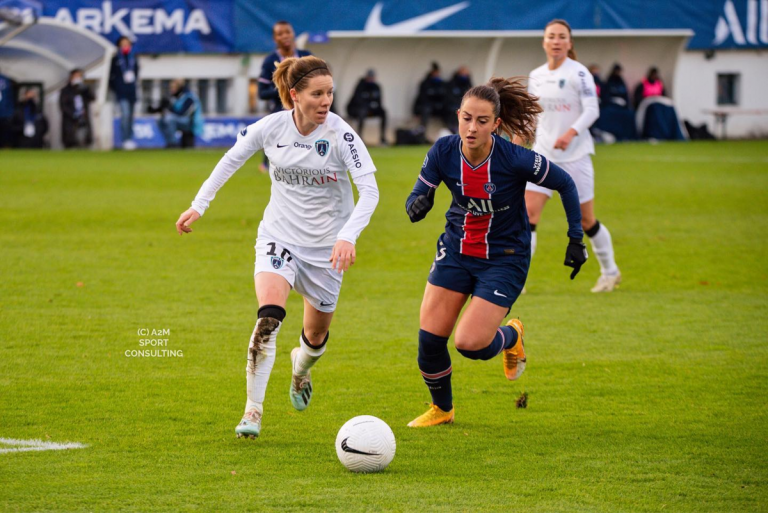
{"points": [[321, 147], [277, 262], [561, 83], [349, 137], [585, 89], [536, 164]]}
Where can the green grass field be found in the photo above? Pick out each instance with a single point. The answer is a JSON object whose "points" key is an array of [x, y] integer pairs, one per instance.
{"points": [[651, 398]]}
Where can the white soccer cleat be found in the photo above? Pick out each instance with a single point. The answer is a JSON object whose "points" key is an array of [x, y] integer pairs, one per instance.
{"points": [[301, 386], [250, 425], [606, 283]]}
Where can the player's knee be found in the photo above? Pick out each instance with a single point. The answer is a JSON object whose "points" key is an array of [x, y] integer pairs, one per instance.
{"points": [[430, 345], [315, 338], [272, 311], [469, 342], [477, 353]]}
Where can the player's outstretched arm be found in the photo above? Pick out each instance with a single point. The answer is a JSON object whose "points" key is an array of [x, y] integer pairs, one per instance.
{"points": [[185, 219]]}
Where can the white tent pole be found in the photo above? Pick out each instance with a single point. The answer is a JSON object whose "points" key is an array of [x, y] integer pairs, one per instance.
{"points": [[13, 34], [493, 57], [103, 115]]}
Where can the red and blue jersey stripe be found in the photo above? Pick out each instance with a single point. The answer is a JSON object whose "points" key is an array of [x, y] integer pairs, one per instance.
{"points": [[474, 181]]}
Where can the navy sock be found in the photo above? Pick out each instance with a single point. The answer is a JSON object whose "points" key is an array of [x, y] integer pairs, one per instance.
{"points": [[506, 337], [435, 366]]}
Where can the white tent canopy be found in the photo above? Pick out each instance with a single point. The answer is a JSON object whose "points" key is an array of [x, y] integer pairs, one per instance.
{"points": [[46, 51], [401, 62]]}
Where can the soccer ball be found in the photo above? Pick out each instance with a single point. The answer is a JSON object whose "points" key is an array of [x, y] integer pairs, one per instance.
{"points": [[365, 444]]}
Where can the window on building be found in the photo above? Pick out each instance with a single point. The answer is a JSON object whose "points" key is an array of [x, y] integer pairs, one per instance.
{"points": [[165, 88], [146, 94], [253, 96], [222, 94], [728, 88], [203, 86]]}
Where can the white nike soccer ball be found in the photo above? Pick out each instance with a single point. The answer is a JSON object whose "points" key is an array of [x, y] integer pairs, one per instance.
{"points": [[365, 444]]}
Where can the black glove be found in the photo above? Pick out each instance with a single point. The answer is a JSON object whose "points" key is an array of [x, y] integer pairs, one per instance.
{"points": [[418, 209], [575, 256]]}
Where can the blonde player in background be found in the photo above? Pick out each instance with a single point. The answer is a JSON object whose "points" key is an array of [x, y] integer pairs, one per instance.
{"points": [[566, 91], [307, 237]]}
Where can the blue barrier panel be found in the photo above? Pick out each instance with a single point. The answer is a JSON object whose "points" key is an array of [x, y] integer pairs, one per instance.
{"points": [[217, 132]]}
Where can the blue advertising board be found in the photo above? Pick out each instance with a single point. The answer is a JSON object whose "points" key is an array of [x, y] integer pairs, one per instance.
{"points": [[225, 26], [217, 132], [156, 26]]}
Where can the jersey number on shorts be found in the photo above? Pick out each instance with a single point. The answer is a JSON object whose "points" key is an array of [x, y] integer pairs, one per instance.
{"points": [[278, 261]]}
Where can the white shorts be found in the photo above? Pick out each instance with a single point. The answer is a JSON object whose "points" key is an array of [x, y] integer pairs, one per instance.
{"points": [[583, 174], [319, 285]]}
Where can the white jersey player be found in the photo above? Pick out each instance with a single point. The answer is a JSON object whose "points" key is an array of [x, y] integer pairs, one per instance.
{"points": [[307, 237], [566, 91]]}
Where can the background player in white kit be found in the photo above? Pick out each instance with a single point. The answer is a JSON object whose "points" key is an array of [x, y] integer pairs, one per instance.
{"points": [[566, 91], [307, 237]]}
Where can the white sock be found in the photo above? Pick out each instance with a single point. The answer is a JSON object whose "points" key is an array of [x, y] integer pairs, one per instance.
{"points": [[257, 371], [307, 356], [533, 243], [602, 247]]}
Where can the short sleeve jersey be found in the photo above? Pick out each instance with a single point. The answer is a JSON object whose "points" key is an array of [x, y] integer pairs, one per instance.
{"points": [[311, 195], [560, 93], [487, 217]]}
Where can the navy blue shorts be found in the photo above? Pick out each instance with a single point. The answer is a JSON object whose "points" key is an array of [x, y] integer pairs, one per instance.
{"points": [[498, 281]]}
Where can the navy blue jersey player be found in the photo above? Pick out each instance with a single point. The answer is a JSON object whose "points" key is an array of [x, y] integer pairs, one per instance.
{"points": [[486, 248]]}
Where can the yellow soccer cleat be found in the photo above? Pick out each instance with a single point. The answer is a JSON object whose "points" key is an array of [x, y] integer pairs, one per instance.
{"points": [[514, 357], [434, 416]]}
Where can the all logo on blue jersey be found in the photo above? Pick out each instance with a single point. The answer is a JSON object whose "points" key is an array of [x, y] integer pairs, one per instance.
{"points": [[321, 147], [489, 188], [277, 262]]}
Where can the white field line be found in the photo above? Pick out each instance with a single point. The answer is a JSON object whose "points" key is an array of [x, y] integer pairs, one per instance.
{"points": [[698, 158], [37, 445]]}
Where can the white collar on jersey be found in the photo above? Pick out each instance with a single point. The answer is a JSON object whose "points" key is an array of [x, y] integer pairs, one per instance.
{"points": [[461, 152]]}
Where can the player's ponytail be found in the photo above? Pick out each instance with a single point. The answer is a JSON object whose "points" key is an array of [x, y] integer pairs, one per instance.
{"points": [[572, 51], [512, 103], [294, 73]]}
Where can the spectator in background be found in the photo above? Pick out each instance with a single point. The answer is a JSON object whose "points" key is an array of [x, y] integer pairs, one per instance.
{"points": [[124, 76], [181, 112], [594, 69], [7, 107], [74, 101], [29, 125], [366, 102], [431, 98], [615, 89], [460, 83], [285, 42], [650, 86]]}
